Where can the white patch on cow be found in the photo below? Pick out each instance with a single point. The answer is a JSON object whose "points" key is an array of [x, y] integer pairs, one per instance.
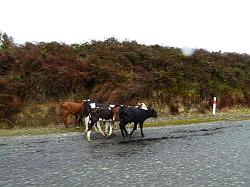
{"points": [[92, 105], [89, 121], [143, 106]]}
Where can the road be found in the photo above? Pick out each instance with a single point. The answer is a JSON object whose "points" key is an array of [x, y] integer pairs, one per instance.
{"points": [[207, 154]]}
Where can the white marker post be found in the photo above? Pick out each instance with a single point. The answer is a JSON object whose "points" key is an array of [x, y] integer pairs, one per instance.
{"points": [[214, 106]]}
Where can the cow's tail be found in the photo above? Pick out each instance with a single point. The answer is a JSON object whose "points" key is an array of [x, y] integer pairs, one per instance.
{"points": [[59, 109]]}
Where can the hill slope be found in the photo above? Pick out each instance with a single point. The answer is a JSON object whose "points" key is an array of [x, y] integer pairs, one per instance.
{"points": [[120, 72]]}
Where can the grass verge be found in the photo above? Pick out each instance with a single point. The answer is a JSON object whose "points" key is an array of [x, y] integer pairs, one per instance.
{"points": [[230, 115], [38, 131]]}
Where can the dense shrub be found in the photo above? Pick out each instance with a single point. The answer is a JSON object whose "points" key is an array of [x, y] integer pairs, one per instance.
{"points": [[122, 72]]}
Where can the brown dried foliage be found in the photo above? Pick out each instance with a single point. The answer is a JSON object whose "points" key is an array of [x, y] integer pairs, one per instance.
{"points": [[121, 72]]}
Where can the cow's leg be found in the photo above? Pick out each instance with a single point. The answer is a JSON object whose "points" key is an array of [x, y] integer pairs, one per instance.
{"points": [[135, 127], [110, 128], [79, 121], [116, 125], [121, 124], [106, 127], [88, 135], [80, 118], [123, 129], [76, 120], [65, 122], [89, 131], [86, 120], [129, 127], [65, 119], [141, 126], [96, 129], [100, 129]]}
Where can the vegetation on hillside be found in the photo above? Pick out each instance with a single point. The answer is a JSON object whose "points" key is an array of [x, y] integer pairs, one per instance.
{"points": [[119, 72]]}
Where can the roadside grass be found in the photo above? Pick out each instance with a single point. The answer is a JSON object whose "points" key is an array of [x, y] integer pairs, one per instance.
{"points": [[227, 115], [180, 122], [191, 120], [184, 119], [38, 131]]}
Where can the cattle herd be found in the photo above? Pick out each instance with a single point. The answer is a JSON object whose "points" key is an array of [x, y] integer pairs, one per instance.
{"points": [[95, 113]]}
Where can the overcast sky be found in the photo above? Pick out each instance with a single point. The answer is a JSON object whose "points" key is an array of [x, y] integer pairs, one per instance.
{"points": [[209, 24]]}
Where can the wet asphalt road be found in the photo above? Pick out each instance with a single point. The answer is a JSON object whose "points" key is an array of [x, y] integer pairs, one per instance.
{"points": [[209, 154]]}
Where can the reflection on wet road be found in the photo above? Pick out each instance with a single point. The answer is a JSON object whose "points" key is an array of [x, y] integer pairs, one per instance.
{"points": [[211, 154]]}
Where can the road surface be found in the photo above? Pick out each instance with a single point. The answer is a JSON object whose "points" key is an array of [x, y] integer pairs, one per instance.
{"points": [[207, 154]]}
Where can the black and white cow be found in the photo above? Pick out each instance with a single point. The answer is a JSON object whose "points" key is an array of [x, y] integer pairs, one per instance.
{"points": [[91, 104], [97, 115]]}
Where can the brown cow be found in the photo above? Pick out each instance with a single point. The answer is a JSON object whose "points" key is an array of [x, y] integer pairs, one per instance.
{"points": [[66, 108], [116, 116], [116, 113]]}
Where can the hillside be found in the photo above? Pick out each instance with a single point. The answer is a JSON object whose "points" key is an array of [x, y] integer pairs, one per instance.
{"points": [[120, 72]]}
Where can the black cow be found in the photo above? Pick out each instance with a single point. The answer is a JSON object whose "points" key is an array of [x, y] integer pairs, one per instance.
{"points": [[136, 115]]}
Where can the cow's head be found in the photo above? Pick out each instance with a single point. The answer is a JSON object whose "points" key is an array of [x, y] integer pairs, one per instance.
{"points": [[153, 112]]}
